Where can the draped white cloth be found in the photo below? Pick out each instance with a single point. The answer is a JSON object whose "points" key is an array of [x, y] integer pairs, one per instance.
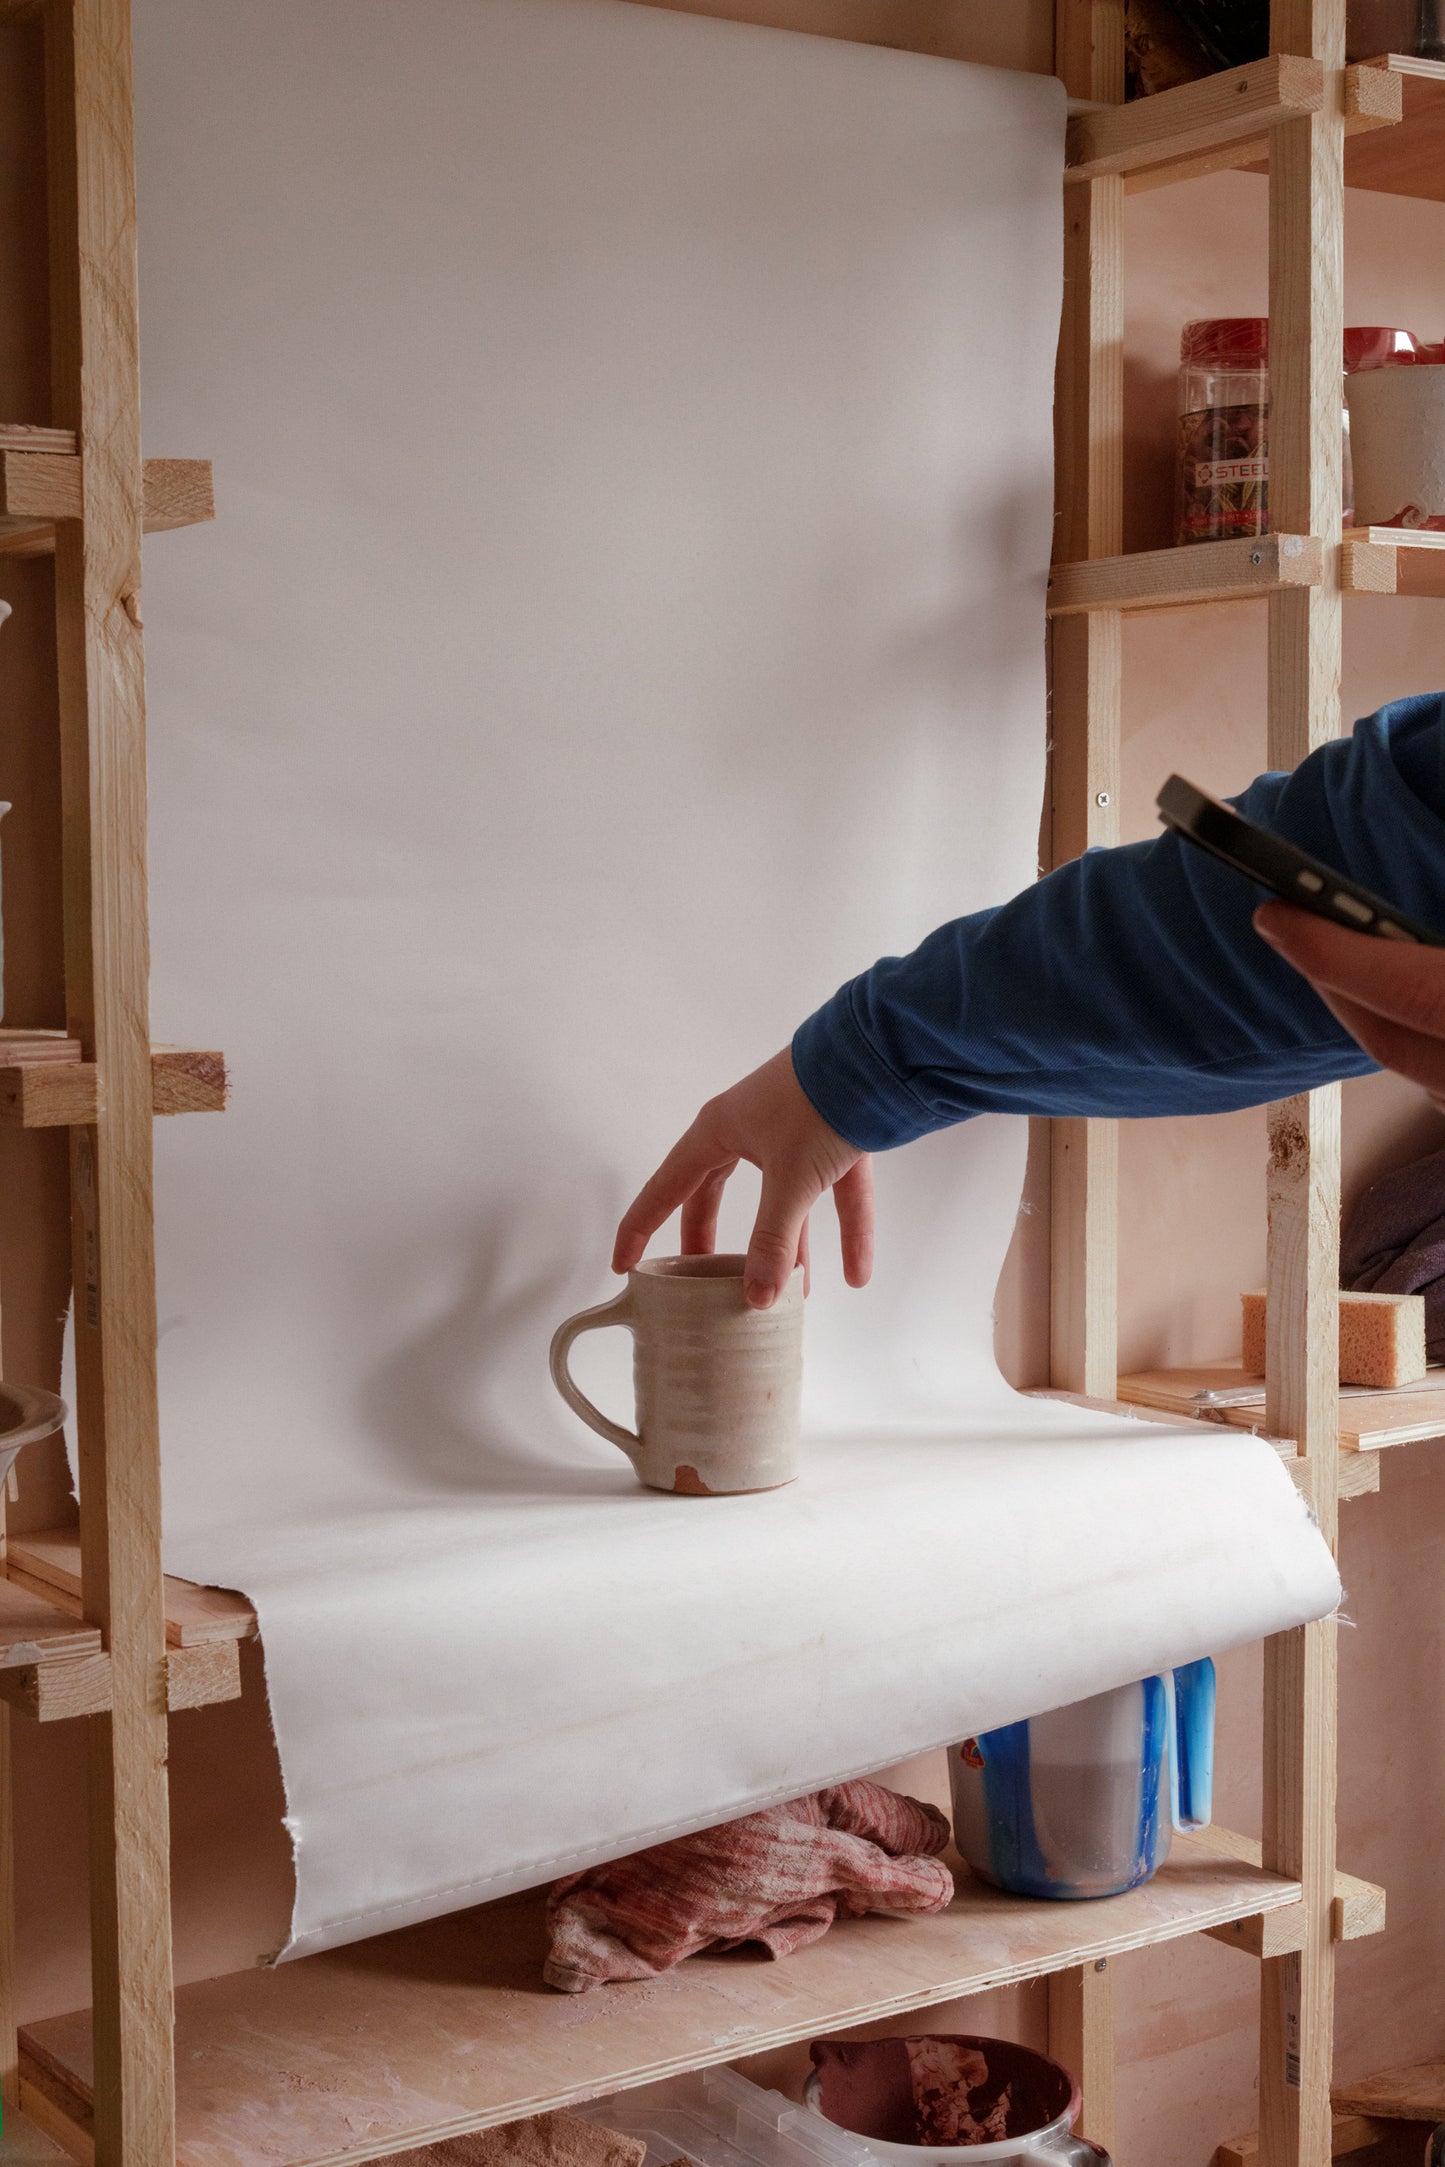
{"points": [[623, 620]]}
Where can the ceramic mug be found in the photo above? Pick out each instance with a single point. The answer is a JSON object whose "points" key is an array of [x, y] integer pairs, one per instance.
{"points": [[1397, 445], [876, 2087], [718, 1385]]}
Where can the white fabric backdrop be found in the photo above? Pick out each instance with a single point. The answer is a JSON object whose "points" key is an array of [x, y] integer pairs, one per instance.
{"points": [[624, 620]]}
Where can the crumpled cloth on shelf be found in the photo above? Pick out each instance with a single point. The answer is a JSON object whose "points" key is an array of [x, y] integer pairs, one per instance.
{"points": [[1393, 1242], [779, 1878]]}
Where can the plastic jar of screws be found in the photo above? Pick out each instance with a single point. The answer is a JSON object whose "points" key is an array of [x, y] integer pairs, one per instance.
{"points": [[1223, 460]]}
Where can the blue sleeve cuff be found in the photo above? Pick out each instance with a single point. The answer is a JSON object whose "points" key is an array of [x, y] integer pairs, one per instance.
{"points": [[851, 1085]]}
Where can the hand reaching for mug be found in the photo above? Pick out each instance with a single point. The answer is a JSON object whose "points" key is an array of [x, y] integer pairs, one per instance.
{"points": [[1389, 995], [768, 1120]]}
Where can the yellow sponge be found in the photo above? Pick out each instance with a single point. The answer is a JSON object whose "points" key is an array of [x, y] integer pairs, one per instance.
{"points": [[1382, 1338]]}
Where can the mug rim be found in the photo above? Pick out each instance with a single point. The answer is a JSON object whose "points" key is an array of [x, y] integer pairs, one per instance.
{"points": [[722, 1266]]}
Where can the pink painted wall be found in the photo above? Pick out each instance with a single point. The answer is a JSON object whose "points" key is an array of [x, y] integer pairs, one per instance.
{"points": [[1192, 1206]]}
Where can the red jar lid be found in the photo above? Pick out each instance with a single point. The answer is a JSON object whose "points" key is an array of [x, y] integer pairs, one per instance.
{"points": [[1223, 342], [1379, 346]]}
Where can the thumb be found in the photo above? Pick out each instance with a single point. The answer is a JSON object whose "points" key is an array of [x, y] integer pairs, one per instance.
{"points": [[786, 1200]]}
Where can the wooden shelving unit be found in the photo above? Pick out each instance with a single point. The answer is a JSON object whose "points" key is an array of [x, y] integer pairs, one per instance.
{"points": [[409, 2037], [446, 2027]]}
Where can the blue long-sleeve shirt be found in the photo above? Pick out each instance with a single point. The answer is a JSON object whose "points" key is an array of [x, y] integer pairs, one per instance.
{"points": [[1131, 981]]}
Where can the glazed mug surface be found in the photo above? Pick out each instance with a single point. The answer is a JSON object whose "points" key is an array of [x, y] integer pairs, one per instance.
{"points": [[718, 1385]]}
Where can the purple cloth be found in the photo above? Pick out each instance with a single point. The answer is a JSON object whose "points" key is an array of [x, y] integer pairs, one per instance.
{"points": [[1394, 1242]]}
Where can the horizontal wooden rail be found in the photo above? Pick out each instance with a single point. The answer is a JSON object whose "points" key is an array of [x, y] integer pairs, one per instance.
{"points": [[1230, 571], [65, 1093], [1373, 102], [1352, 2133], [1358, 1909], [39, 487], [61, 1687], [1235, 106]]}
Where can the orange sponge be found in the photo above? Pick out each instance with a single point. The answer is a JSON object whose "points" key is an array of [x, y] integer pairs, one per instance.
{"points": [[1382, 1338]]}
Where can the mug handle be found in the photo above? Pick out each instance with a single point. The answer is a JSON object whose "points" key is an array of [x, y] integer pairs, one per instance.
{"points": [[617, 1311]]}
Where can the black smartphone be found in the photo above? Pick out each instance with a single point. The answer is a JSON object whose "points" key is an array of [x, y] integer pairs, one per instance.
{"points": [[1282, 868]]}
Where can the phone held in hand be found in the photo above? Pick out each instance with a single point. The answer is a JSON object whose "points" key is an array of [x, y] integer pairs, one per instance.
{"points": [[1286, 871]]}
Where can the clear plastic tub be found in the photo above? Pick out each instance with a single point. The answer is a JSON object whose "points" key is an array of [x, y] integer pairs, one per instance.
{"points": [[717, 2118]]}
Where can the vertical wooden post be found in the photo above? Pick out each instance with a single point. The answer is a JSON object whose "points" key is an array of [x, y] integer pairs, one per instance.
{"points": [[94, 336], [9, 2047], [1081, 2037], [9, 2043], [1087, 663], [1305, 638]]}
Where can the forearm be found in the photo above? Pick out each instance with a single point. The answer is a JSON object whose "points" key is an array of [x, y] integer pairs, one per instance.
{"points": [[1129, 982]]}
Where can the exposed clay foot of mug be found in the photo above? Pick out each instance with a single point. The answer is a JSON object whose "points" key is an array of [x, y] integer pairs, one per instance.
{"points": [[687, 1482]]}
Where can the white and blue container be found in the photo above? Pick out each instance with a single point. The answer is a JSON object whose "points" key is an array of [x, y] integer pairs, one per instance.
{"points": [[1082, 1802]]}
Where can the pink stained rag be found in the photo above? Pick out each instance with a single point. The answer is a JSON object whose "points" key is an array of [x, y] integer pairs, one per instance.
{"points": [[779, 1878]]}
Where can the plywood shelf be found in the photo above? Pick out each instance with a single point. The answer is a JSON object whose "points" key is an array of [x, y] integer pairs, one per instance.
{"points": [[1393, 560], [25, 2144], [45, 1083], [35, 1627], [1359, 1467], [1231, 571], [195, 1616], [1407, 160], [1414, 2092], [1369, 1421], [1363, 2111], [40, 486], [446, 2027]]}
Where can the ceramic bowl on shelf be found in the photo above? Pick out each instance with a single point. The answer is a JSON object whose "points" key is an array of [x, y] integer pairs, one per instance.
{"points": [[996, 2100], [26, 1413]]}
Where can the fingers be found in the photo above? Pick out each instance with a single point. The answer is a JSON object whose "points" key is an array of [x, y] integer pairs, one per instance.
{"points": [[787, 1198], [853, 1199], [1402, 980], [700, 1212], [805, 1258], [692, 1161], [1410, 1053]]}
